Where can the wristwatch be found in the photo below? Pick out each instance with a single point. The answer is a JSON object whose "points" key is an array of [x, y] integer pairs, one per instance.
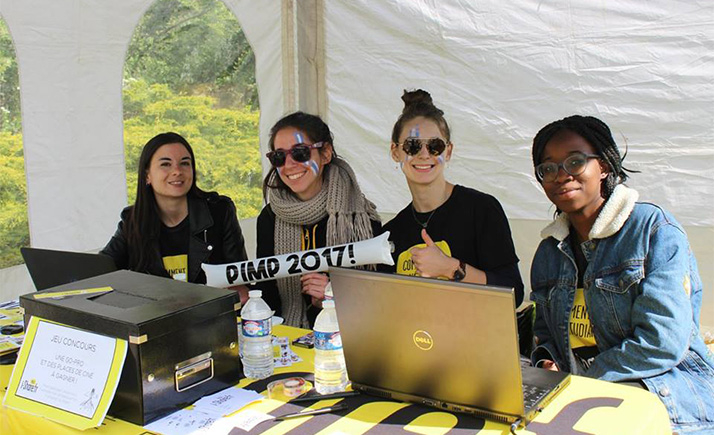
{"points": [[460, 272]]}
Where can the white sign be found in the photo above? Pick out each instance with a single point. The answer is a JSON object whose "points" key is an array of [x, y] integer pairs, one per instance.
{"points": [[66, 374], [373, 251]]}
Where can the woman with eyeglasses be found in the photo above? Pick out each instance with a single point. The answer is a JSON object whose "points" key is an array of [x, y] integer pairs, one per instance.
{"points": [[615, 283], [173, 226], [313, 201], [448, 231]]}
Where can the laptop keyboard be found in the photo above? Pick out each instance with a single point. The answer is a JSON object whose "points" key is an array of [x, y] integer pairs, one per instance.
{"points": [[532, 395]]}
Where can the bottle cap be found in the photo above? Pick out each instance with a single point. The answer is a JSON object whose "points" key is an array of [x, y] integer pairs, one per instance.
{"points": [[328, 303], [255, 293]]}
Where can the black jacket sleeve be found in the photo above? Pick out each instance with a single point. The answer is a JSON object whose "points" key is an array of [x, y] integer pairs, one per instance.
{"points": [[117, 247], [233, 241]]}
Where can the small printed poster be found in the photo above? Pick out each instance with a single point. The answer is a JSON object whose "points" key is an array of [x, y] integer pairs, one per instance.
{"points": [[66, 374]]}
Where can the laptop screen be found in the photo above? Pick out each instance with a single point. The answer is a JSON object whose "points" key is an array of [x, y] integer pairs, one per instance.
{"points": [[444, 340], [49, 268]]}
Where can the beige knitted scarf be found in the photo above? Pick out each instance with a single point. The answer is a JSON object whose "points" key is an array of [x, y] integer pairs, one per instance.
{"points": [[349, 215]]}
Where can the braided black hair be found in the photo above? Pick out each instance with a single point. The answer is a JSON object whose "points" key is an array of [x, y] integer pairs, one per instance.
{"points": [[419, 103], [597, 134]]}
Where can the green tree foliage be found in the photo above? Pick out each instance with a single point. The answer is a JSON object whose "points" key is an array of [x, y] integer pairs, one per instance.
{"points": [[224, 141], [196, 47], [14, 229], [9, 84], [190, 69]]}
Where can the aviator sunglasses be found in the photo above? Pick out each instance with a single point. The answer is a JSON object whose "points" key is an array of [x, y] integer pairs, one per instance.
{"points": [[299, 152], [573, 165], [413, 145]]}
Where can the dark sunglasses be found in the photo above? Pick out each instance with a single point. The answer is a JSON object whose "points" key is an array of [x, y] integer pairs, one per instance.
{"points": [[299, 152], [574, 165], [413, 145]]}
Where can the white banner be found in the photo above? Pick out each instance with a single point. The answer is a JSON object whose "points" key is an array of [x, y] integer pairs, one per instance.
{"points": [[373, 251]]}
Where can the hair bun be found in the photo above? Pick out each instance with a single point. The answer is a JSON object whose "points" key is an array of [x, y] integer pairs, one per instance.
{"points": [[418, 96], [418, 100]]}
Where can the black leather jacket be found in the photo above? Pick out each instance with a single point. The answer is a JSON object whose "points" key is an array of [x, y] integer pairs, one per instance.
{"points": [[216, 238]]}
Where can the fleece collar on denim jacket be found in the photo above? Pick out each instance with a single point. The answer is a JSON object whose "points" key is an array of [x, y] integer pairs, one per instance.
{"points": [[611, 218]]}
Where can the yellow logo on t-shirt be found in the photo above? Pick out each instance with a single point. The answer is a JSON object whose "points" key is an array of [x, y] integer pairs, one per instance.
{"points": [[405, 265], [581, 331], [177, 266]]}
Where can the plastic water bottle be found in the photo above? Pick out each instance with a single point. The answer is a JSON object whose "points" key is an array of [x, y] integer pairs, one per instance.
{"points": [[330, 369], [257, 347]]}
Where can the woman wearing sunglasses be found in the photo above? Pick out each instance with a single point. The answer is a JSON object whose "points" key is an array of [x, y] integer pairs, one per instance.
{"points": [[619, 276], [448, 231], [313, 201], [173, 225]]}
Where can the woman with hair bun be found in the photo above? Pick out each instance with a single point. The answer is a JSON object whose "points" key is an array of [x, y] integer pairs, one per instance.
{"points": [[448, 231], [313, 201], [615, 283]]}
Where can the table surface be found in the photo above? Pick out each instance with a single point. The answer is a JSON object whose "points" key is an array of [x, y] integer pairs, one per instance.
{"points": [[585, 406]]}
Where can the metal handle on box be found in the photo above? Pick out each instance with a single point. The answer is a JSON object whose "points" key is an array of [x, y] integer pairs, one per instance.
{"points": [[192, 371]]}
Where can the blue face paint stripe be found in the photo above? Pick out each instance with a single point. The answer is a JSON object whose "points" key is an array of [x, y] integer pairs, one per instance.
{"points": [[440, 159], [298, 138], [314, 167], [414, 132]]}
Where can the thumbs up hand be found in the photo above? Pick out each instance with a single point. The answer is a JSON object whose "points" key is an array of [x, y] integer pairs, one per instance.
{"points": [[430, 261], [425, 237]]}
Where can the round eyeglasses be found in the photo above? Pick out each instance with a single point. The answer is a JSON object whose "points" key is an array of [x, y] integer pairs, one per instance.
{"points": [[573, 165]]}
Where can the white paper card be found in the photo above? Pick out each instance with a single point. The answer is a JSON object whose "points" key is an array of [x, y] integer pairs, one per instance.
{"points": [[71, 366], [227, 401], [182, 422]]}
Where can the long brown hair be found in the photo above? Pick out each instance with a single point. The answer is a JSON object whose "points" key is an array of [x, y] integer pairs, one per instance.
{"points": [[144, 223]]}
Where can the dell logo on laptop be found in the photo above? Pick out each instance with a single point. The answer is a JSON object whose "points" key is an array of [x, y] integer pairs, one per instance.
{"points": [[423, 340]]}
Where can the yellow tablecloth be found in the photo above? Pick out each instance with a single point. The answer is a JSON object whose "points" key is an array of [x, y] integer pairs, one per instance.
{"points": [[585, 406]]}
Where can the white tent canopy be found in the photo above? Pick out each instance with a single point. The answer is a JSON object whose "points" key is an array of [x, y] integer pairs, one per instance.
{"points": [[499, 70]]}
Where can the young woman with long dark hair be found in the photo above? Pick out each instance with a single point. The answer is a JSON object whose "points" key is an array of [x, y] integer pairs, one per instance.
{"points": [[313, 201], [173, 226]]}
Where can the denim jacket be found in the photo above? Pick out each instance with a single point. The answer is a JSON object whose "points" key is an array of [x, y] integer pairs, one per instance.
{"points": [[643, 294]]}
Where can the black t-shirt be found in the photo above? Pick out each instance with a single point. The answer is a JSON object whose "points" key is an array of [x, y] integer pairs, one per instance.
{"points": [[173, 242], [470, 226], [313, 237]]}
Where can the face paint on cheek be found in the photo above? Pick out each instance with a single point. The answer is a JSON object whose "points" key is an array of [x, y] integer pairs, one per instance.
{"points": [[440, 159], [313, 166], [280, 171]]}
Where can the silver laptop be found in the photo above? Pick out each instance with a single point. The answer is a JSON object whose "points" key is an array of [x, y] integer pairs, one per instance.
{"points": [[444, 344]]}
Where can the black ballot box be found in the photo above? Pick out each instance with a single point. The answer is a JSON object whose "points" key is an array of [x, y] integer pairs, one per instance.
{"points": [[183, 338]]}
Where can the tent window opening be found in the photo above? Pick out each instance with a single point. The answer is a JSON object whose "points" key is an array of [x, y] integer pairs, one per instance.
{"points": [[190, 69], [14, 228]]}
